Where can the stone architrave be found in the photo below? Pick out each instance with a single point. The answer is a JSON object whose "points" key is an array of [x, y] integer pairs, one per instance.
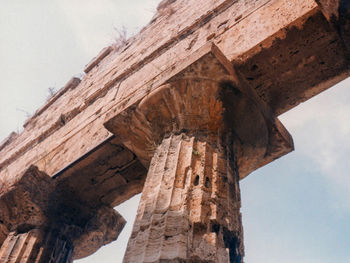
{"points": [[199, 132]]}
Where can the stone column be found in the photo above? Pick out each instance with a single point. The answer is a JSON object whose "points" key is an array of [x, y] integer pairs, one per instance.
{"points": [[199, 133], [190, 206], [36, 245], [44, 222]]}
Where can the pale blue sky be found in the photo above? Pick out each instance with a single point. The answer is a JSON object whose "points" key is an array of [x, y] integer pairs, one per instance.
{"points": [[296, 209]]}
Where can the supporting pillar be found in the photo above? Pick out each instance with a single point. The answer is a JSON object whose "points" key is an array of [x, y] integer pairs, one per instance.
{"points": [[190, 206], [199, 133], [37, 246], [44, 222]]}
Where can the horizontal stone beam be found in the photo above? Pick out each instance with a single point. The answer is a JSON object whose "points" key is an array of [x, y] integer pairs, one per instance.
{"points": [[287, 51]]}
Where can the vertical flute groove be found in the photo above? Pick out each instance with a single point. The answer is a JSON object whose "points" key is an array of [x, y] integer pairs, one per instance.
{"points": [[190, 217], [35, 247]]}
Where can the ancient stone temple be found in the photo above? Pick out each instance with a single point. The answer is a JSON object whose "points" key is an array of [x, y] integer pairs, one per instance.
{"points": [[181, 112]]}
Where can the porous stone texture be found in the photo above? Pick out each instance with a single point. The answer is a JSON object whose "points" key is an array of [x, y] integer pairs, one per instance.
{"points": [[275, 54], [3, 233], [198, 131], [338, 13], [286, 50], [107, 176], [104, 227], [37, 246], [190, 205], [23, 203], [203, 93], [37, 215]]}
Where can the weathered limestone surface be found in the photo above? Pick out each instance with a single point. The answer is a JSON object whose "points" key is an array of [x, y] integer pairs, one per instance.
{"points": [[338, 13], [190, 208], [200, 130], [189, 100], [36, 246], [3, 233], [286, 50], [107, 176], [40, 217], [282, 52]]}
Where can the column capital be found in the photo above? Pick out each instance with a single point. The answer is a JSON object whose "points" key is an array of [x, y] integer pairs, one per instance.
{"points": [[203, 95], [23, 203], [37, 202]]}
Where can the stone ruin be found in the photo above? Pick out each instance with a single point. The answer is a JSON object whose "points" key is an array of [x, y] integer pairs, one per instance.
{"points": [[180, 112]]}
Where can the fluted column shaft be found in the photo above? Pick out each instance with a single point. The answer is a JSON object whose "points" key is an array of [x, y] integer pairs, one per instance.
{"points": [[190, 205], [36, 246]]}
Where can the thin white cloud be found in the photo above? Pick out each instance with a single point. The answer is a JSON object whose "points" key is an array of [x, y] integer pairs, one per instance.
{"points": [[322, 127], [93, 21], [44, 43]]}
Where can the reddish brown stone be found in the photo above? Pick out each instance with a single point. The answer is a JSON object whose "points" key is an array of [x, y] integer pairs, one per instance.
{"points": [[36, 246], [275, 55], [37, 210], [190, 206], [201, 132]]}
